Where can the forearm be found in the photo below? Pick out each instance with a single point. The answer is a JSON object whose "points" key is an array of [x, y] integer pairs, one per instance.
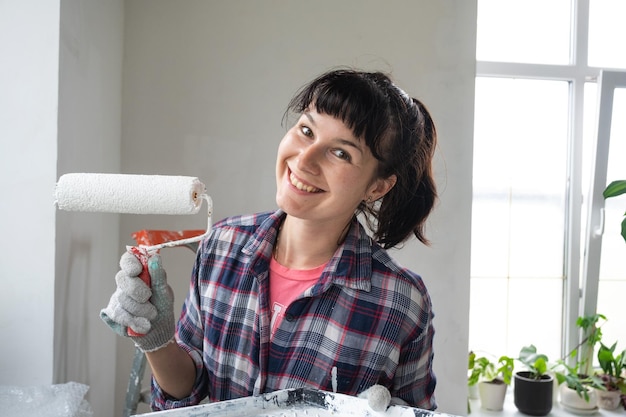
{"points": [[173, 369]]}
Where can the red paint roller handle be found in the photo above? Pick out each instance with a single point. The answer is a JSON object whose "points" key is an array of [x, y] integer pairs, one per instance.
{"points": [[142, 256]]}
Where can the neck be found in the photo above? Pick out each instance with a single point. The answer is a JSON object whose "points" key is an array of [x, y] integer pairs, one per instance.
{"points": [[305, 245]]}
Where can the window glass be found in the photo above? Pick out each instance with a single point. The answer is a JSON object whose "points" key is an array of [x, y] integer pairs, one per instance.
{"points": [[524, 31], [518, 213], [612, 284], [607, 33], [612, 281]]}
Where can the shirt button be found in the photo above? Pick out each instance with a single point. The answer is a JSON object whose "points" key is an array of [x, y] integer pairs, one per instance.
{"points": [[289, 317]]}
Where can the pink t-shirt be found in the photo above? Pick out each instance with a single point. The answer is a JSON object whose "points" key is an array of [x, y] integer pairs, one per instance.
{"points": [[286, 285]]}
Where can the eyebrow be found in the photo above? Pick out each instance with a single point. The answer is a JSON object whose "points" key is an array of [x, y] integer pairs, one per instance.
{"points": [[346, 142]]}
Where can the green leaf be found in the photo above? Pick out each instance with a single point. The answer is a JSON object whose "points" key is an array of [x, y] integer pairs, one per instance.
{"points": [[611, 363], [507, 365], [471, 359], [541, 366], [535, 362], [483, 369], [612, 190], [615, 188]]}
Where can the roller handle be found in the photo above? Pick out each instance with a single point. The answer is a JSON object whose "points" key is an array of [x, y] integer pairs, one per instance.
{"points": [[142, 256]]}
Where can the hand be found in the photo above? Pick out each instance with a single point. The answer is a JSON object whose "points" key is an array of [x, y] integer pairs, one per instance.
{"points": [[378, 397], [148, 311]]}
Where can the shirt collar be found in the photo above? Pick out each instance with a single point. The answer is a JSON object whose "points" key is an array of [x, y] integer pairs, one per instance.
{"points": [[350, 266]]}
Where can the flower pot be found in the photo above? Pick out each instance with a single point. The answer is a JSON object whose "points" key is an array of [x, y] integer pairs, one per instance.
{"points": [[608, 400], [533, 397], [492, 394], [571, 401], [472, 391]]}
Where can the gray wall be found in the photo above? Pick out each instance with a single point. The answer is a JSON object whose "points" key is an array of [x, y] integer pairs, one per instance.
{"points": [[197, 88], [87, 244]]}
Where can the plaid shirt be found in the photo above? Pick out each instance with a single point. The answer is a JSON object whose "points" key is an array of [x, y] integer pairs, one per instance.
{"points": [[366, 317]]}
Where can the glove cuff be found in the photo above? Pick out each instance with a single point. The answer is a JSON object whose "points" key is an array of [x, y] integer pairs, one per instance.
{"points": [[160, 336], [145, 349]]}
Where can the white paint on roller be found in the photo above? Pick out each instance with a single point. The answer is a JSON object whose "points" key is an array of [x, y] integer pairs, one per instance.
{"points": [[126, 193]]}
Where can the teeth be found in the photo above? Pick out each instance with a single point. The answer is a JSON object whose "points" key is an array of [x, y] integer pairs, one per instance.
{"points": [[302, 187]]}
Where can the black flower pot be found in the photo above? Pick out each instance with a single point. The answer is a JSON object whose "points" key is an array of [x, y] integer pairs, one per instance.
{"points": [[533, 396]]}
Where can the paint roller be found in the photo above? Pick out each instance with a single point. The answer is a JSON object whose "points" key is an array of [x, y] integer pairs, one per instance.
{"points": [[135, 194]]}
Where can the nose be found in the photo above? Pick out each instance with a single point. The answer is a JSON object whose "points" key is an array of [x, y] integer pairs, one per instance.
{"points": [[309, 158]]}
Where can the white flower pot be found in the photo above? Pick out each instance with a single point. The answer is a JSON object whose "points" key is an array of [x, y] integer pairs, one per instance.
{"points": [[492, 394], [608, 400], [473, 391], [571, 401]]}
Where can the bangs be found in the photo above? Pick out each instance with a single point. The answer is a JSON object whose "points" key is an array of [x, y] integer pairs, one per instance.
{"points": [[355, 100]]}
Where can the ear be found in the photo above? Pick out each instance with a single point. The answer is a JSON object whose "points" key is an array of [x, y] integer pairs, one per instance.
{"points": [[380, 187]]}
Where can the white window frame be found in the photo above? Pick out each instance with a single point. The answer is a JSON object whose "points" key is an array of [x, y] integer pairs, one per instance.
{"points": [[607, 83]]}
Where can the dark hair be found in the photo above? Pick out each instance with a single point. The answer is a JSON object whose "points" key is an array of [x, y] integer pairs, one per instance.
{"points": [[399, 132]]}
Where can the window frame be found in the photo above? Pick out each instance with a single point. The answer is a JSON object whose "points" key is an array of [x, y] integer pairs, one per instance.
{"points": [[607, 83]]}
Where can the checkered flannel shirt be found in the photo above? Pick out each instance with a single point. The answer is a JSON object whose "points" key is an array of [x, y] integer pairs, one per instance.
{"points": [[367, 317]]}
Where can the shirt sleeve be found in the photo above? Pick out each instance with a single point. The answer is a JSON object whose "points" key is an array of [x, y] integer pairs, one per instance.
{"points": [[162, 401], [414, 380]]}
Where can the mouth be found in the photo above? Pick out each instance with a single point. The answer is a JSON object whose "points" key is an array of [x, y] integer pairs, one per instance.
{"points": [[301, 186]]}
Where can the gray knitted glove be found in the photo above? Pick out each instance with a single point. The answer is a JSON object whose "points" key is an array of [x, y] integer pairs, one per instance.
{"points": [[147, 311], [378, 397]]}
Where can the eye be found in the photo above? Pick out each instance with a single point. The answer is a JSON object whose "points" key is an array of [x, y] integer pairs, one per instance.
{"points": [[341, 154], [306, 131]]}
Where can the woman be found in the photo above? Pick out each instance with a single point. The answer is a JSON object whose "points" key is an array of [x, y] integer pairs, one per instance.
{"points": [[305, 296]]}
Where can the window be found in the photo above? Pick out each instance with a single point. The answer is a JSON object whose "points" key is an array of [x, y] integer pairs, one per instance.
{"points": [[538, 65], [604, 281]]}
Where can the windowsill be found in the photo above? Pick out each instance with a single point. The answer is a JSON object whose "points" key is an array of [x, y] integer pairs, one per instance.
{"points": [[509, 410]]}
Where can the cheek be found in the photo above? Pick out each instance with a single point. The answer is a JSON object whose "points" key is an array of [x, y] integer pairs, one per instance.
{"points": [[281, 152], [351, 183], [357, 184]]}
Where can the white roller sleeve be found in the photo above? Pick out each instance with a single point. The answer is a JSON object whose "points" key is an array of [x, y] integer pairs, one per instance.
{"points": [[125, 193]]}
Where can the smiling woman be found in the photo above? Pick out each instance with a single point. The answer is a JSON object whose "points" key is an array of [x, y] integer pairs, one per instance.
{"points": [[304, 296]]}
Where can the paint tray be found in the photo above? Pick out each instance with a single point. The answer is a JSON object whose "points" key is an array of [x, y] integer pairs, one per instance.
{"points": [[298, 402]]}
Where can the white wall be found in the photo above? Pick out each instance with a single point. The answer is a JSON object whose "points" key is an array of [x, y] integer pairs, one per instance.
{"points": [[60, 79], [29, 58], [206, 84]]}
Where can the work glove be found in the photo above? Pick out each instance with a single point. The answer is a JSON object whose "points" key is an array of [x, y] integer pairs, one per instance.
{"points": [[377, 396], [143, 313]]}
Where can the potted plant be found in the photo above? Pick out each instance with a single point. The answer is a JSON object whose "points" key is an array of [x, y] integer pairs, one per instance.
{"points": [[613, 366], [613, 190], [576, 390], [472, 387], [533, 387], [492, 379], [576, 383]]}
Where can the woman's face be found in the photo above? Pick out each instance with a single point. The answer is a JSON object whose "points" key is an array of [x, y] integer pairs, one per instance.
{"points": [[323, 172]]}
